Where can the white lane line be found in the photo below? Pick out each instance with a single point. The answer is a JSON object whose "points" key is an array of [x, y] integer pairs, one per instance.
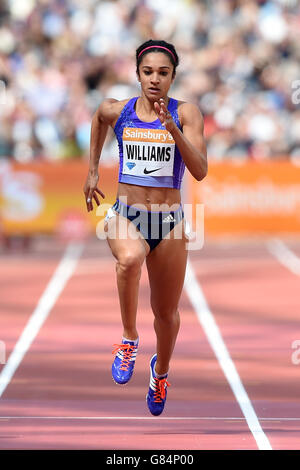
{"points": [[215, 339], [284, 255], [165, 418], [54, 288]]}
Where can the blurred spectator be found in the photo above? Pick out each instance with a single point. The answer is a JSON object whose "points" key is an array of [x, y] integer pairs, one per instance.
{"points": [[60, 58]]}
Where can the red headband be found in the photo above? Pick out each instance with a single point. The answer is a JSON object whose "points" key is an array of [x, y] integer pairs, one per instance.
{"points": [[160, 47]]}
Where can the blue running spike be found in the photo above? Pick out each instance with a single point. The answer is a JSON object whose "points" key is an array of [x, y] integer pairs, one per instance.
{"points": [[123, 365], [157, 394]]}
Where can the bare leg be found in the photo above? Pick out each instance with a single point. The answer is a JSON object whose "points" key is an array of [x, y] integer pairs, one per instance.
{"points": [[166, 266], [130, 254]]}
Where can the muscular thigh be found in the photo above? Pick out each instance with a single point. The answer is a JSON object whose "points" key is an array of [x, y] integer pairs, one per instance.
{"points": [[166, 266], [123, 237]]}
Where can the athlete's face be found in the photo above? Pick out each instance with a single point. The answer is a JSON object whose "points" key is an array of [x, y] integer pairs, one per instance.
{"points": [[155, 75]]}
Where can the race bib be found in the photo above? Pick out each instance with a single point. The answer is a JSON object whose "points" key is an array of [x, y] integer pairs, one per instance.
{"points": [[148, 152]]}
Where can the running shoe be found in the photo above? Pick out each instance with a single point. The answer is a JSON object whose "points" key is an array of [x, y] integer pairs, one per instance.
{"points": [[122, 367], [157, 394]]}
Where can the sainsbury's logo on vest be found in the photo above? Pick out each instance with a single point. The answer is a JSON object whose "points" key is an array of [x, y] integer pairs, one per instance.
{"points": [[147, 135]]}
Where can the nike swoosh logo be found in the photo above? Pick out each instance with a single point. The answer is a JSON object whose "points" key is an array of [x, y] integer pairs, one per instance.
{"points": [[150, 171]]}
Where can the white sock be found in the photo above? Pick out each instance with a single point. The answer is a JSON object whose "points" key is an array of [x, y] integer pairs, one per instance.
{"points": [[160, 376], [135, 341]]}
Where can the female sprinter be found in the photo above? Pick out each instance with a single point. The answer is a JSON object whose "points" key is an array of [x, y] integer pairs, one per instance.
{"points": [[158, 137]]}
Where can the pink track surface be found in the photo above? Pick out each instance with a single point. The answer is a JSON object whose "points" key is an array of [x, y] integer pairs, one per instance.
{"points": [[62, 395]]}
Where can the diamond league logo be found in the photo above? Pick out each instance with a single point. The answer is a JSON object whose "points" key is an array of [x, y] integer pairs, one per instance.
{"points": [[130, 165]]}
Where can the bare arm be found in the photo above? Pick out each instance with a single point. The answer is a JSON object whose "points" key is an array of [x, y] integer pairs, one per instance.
{"points": [[190, 141], [102, 119]]}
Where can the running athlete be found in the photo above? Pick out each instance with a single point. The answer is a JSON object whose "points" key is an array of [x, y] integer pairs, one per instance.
{"points": [[158, 137]]}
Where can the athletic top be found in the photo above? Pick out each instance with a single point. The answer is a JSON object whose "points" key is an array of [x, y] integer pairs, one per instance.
{"points": [[148, 153]]}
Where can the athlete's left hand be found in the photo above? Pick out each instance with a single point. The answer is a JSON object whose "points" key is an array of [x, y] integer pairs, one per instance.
{"points": [[164, 115]]}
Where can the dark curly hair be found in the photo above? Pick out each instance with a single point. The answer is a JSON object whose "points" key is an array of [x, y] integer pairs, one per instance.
{"points": [[157, 46]]}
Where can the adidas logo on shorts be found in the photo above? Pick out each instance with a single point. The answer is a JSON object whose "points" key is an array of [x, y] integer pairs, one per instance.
{"points": [[169, 218]]}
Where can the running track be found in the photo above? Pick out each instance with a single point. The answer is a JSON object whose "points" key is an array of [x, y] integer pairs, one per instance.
{"points": [[233, 381]]}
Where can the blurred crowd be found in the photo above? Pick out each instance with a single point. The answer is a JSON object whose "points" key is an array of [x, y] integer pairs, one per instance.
{"points": [[239, 61]]}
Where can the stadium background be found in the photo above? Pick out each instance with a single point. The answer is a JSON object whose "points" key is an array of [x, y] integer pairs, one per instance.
{"points": [[239, 61]]}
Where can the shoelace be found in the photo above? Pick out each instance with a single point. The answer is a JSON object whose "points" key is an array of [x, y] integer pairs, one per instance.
{"points": [[127, 350], [160, 389]]}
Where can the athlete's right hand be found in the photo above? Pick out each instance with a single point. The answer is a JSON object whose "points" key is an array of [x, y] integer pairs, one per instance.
{"points": [[90, 191]]}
